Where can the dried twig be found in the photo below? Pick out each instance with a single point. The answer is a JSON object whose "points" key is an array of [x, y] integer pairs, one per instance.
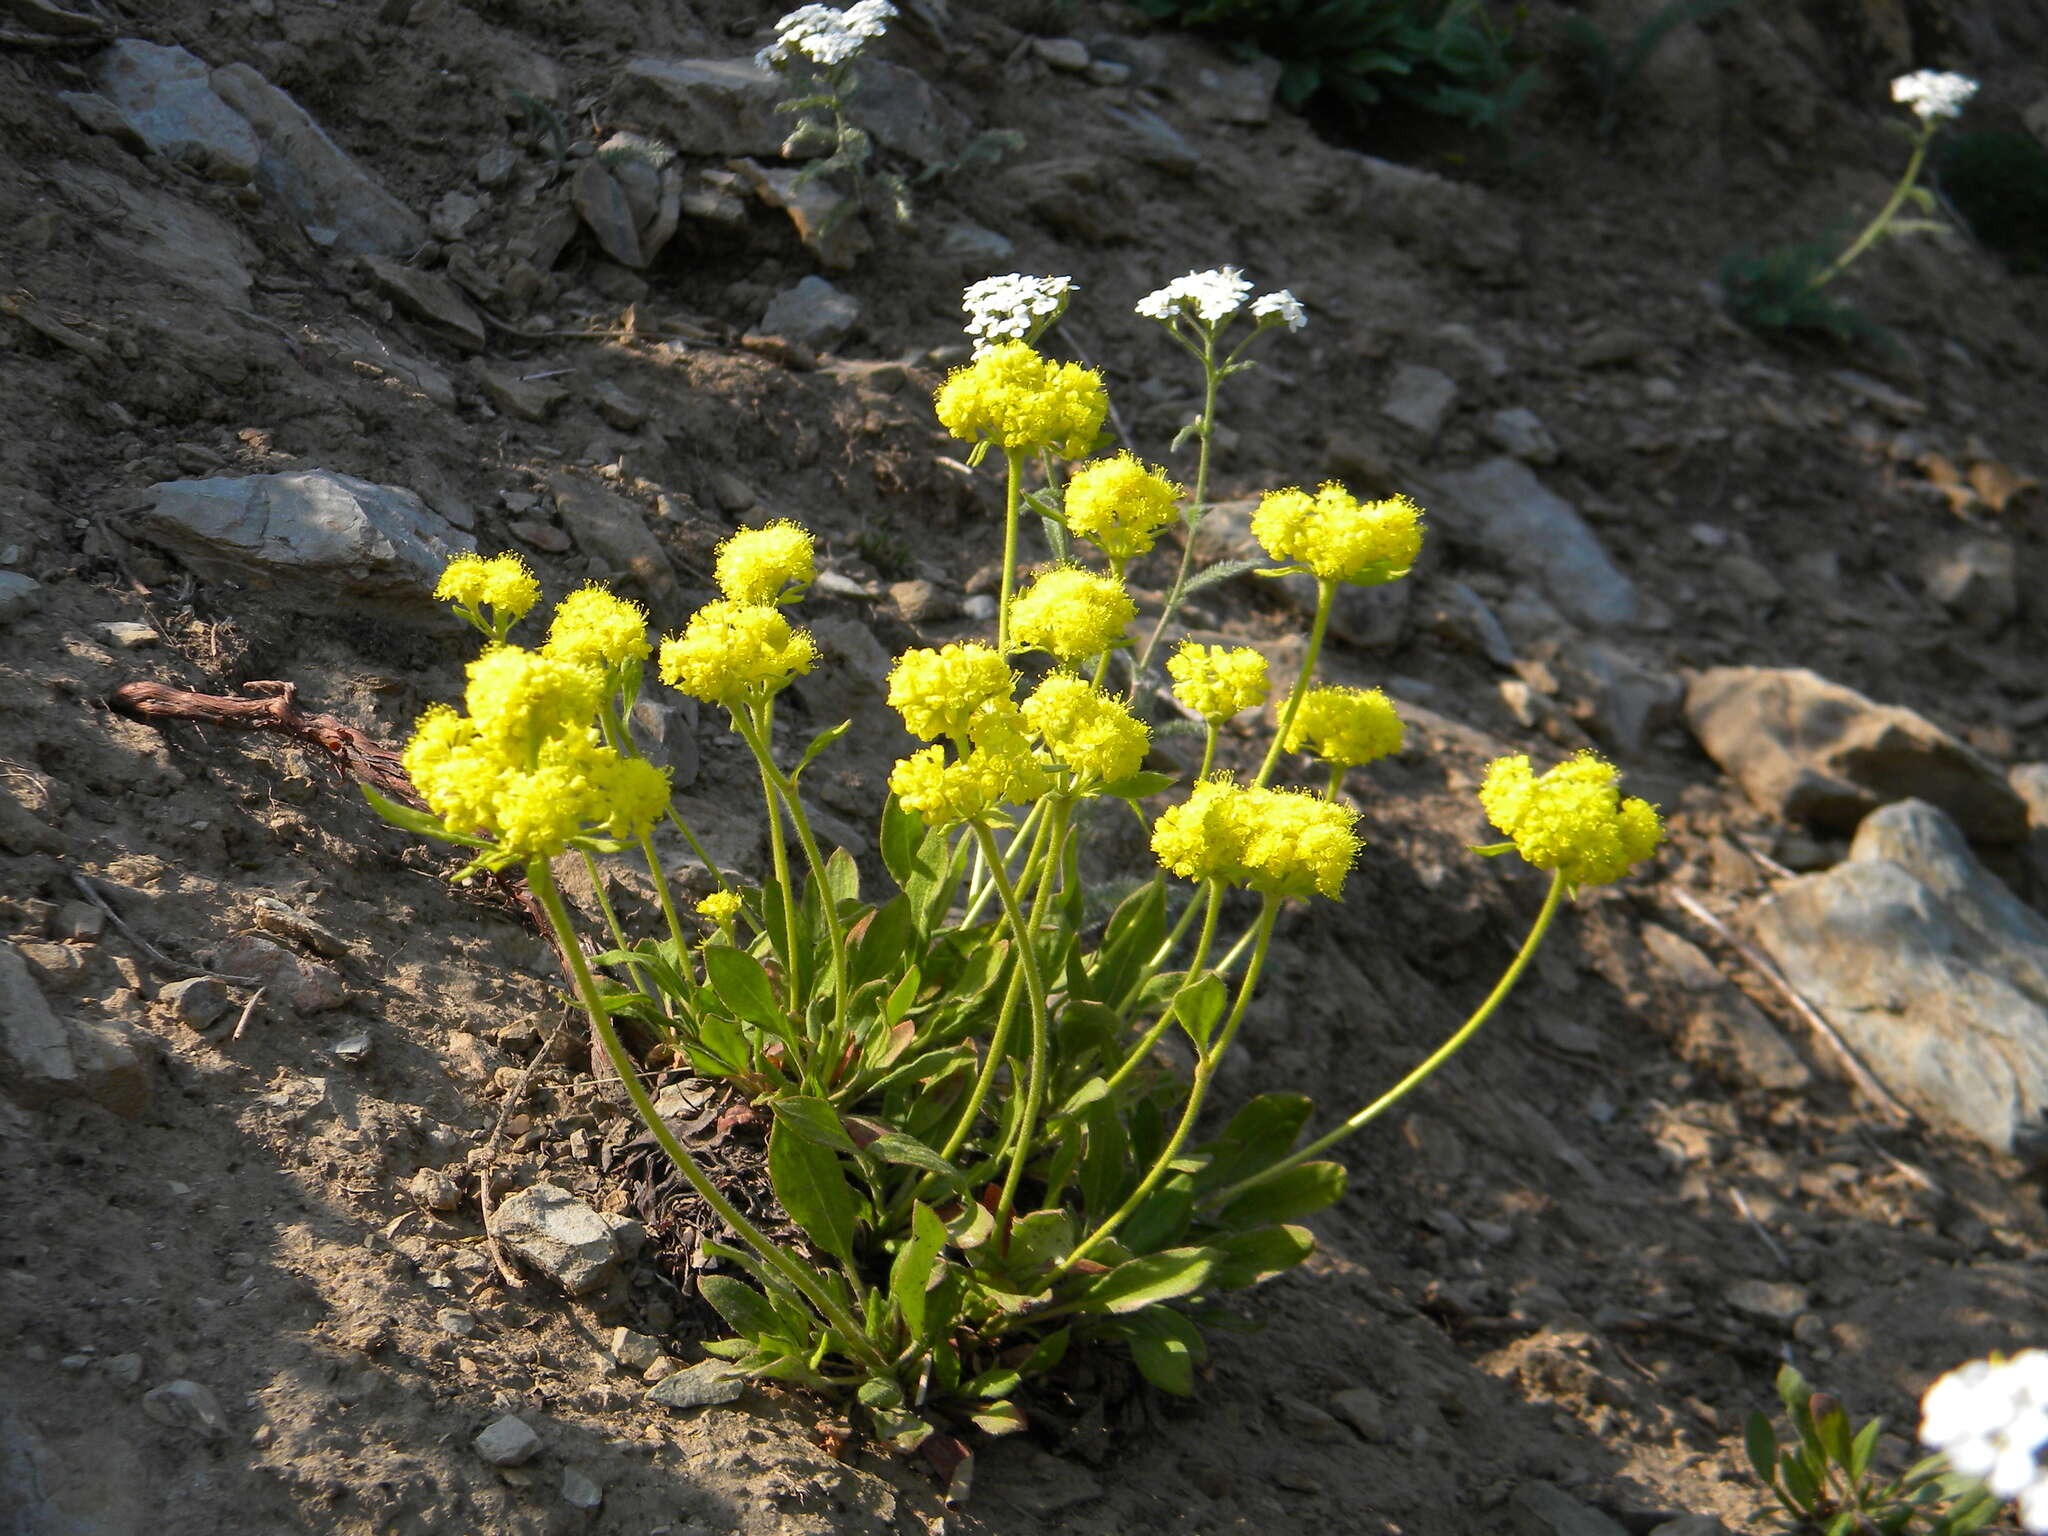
{"points": [[1861, 1075], [248, 1013], [156, 955], [1777, 1250], [272, 706], [506, 1272]]}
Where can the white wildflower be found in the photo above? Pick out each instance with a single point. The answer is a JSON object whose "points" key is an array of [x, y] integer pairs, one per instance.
{"points": [[1283, 306], [1212, 296], [1990, 1418], [1934, 93], [826, 36], [1012, 307]]}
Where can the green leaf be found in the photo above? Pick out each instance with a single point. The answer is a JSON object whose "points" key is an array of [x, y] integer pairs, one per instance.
{"points": [[1040, 1240], [1299, 1191], [1760, 1442], [842, 876], [1833, 1430], [1259, 1135], [419, 823], [1800, 1483], [1199, 1009], [1106, 1166], [1139, 785], [1046, 1353], [999, 1381], [1138, 1283], [999, 1419], [893, 1146], [900, 997], [971, 1226], [812, 1187], [1166, 1346], [743, 986], [819, 743], [1250, 1257], [880, 947], [903, 835], [1217, 574], [1162, 1218], [910, 1277], [745, 1310], [814, 1120]]}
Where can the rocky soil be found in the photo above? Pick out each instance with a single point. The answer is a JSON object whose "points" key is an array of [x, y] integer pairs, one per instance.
{"points": [[299, 298]]}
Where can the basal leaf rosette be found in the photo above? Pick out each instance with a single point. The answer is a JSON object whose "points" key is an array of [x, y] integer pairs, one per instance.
{"points": [[1571, 819], [1336, 537]]}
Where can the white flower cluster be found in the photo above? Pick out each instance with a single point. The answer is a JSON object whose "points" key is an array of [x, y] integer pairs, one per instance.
{"points": [[1011, 307], [1212, 297], [824, 35], [1934, 93], [1990, 1418]]}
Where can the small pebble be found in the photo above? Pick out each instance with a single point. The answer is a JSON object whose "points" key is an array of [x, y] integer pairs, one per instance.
{"points": [[507, 1442]]}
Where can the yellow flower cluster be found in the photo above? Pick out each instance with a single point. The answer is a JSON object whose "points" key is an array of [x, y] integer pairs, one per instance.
{"points": [[1121, 505], [523, 767], [721, 907], [758, 565], [1281, 842], [998, 770], [594, 628], [1346, 726], [501, 583], [1217, 681], [1089, 733], [1571, 819], [1021, 402], [730, 652], [1339, 538], [1074, 614], [939, 692]]}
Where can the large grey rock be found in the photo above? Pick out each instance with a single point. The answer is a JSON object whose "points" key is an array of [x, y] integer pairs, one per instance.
{"points": [[1812, 751], [430, 297], [900, 108], [1931, 970], [315, 532], [167, 98], [616, 532], [1625, 698], [313, 177], [1544, 1509], [19, 596], [707, 106], [507, 1442], [561, 1237], [815, 313], [1443, 220], [1501, 506], [193, 247], [35, 1048], [1419, 397]]}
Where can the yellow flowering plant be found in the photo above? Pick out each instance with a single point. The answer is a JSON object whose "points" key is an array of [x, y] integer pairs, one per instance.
{"points": [[971, 1124]]}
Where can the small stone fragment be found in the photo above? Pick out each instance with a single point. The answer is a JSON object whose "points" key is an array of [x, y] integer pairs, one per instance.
{"points": [[1777, 1301], [123, 1370], [1419, 398], [528, 399], [198, 1002], [579, 1491], [1062, 53], [126, 635], [815, 313], [453, 1320], [560, 1236], [1520, 431], [1361, 1408], [507, 1442], [634, 1351], [704, 1385], [19, 596]]}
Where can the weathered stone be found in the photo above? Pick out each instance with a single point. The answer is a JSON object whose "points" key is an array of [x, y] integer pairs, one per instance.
{"points": [[1978, 582], [580, 1491], [452, 215], [430, 297], [1235, 93], [707, 106], [615, 531], [35, 1048], [666, 735], [433, 1190], [1811, 751], [533, 400], [1363, 1410], [166, 98], [273, 916], [634, 1352], [196, 249], [112, 1064], [1690, 1525], [1718, 1021], [1447, 221], [1367, 618], [851, 647], [900, 108], [187, 1405], [1520, 433], [1151, 140], [827, 220], [293, 981], [560, 1236], [126, 635], [1064, 53], [1463, 617], [313, 177], [20, 596], [1544, 1509], [318, 533], [96, 114], [1419, 398], [703, 1385], [813, 314], [601, 203], [1774, 1301], [507, 1442], [1625, 699], [1502, 507], [1934, 973]]}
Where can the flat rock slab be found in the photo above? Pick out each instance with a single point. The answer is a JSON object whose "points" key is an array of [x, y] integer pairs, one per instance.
{"points": [[338, 202], [1934, 973], [1501, 506], [430, 297], [326, 534], [615, 530], [165, 96], [708, 106], [1808, 750]]}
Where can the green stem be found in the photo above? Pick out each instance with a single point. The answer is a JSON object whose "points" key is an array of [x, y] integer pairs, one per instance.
{"points": [[1012, 492], [1336, 786], [778, 851], [1032, 827], [1212, 376], [542, 882], [1208, 751], [1143, 1049], [1326, 597], [1198, 1091], [1034, 990], [1442, 1054], [1876, 226], [668, 901]]}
